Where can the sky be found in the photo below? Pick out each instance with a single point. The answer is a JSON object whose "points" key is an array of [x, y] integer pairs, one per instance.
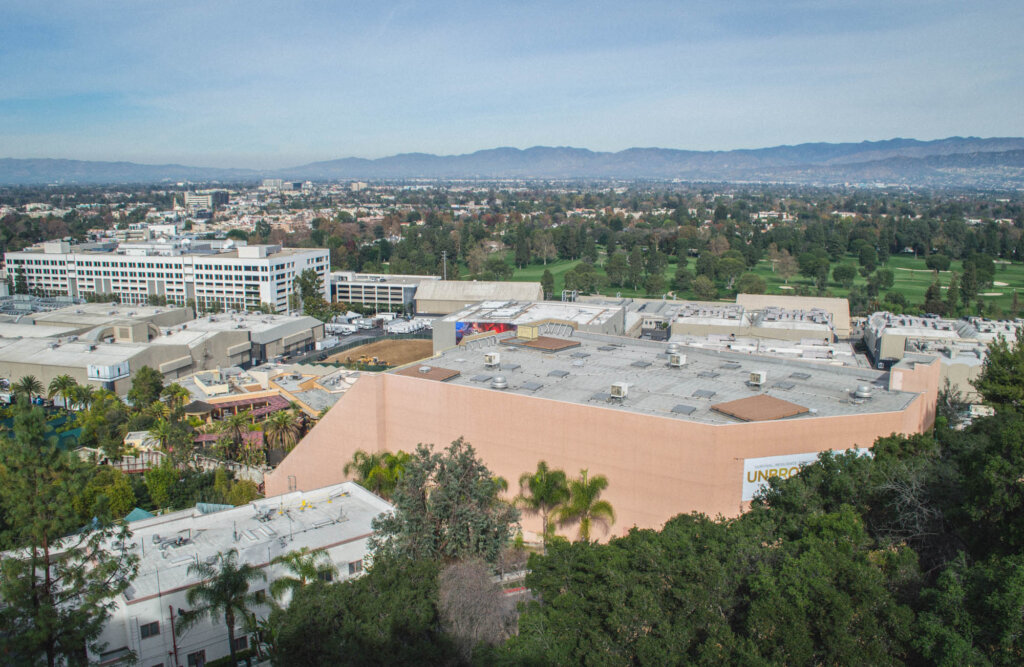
{"points": [[276, 84]]}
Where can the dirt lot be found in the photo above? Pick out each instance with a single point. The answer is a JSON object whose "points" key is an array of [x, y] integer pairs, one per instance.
{"points": [[393, 352]]}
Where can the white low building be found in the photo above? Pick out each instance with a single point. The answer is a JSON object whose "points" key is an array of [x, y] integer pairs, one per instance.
{"points": [[336, 519]]}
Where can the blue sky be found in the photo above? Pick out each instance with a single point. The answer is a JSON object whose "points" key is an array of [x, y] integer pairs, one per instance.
{"points": [[274, 84]]}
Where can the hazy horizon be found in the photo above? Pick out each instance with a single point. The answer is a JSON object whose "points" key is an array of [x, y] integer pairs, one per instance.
{"points": [[266, 85]]}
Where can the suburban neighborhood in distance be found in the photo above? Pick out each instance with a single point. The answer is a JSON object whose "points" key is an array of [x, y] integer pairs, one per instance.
{"points": [[547, 334]]}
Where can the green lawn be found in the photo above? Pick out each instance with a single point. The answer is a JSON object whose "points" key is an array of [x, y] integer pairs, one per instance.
{"points": [[912, 278]]}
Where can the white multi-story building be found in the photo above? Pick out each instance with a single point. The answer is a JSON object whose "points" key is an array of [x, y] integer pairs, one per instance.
{"points": [[335, 519], [239, 277], [376, 289]]}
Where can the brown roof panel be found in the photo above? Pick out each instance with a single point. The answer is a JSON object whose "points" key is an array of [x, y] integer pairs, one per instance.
{"points": [[542, 343], [761, 407], [431, 372]]}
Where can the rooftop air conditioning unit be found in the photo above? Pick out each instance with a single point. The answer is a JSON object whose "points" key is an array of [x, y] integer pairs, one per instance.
{"points": [[492, 359], [676, 360], [758, 378], [619, 390], [424, 369]]}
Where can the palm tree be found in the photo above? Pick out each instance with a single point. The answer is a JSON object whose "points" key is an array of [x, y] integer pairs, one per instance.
{"points": [[304, 566], [176, 396], [62, 387], [163, 433], [379, 472], [543, 492], [28, 386], [223, 591], [282, 430], [584, 506], [82, 396], [236, 426]]}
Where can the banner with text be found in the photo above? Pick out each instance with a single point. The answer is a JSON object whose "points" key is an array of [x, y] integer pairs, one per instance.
{"points": [[757, 472]]}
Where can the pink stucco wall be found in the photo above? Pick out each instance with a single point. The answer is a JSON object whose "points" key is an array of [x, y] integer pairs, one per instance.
{"points": [[657, 467]]}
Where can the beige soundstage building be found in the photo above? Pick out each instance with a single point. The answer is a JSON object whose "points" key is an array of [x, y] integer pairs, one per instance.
{"points": [[674, 431]]}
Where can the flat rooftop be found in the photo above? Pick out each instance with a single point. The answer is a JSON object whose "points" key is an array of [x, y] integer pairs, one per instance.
{"points": [[96, 314], [29, 330], [70, 355], [585, 374], [262, 328], [260, 531], [528, 312]]}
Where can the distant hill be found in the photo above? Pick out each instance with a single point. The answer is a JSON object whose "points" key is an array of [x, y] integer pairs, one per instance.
{"points": [[71, 172], [953, 162]]}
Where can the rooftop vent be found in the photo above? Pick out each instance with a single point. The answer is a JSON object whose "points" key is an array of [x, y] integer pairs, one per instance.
{"points": [[499, 382], [619, 390], [863, 391], [424, 369], [672, 348]]}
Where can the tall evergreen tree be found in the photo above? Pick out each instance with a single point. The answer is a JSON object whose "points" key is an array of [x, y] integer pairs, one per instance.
{"points": [[58, 583]]}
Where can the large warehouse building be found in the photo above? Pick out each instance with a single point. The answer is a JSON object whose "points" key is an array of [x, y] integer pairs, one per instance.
{"points": [[442, 297], [693, 430]]}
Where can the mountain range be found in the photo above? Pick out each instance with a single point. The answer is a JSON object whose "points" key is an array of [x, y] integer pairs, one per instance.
{"points": [[954, 162]]}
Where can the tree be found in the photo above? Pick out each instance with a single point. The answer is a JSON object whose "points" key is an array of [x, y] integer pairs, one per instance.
{"points": [[473, 609], [844, 274], [704, 289], [387, 617], [655, 284], [62, 387], [222, 591], [60, 585], [635, 270], [146, 387], [82, 396], [786, 266], [281, 430], [585, 505], [617, 268], [547, 283], [303, 566], [176, 396], [543, 492], [937, 262], [379, 472], [160, 481], [447, 507], [683, 278], [969, 282], [751, 283], [953, 295], [933, 302], [999, 382], [235, 426], [28, 386], [114, 485]]}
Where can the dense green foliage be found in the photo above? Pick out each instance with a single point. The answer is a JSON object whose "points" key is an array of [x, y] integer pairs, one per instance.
{"points": [[388, 617], [447, 507], [58, 584]]}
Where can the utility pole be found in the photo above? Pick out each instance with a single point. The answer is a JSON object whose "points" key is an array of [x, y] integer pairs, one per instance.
{"points": [[444, 262]]}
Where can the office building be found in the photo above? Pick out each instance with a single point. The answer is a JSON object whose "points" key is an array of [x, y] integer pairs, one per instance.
{"points": [[223, 274], [377, 290]]}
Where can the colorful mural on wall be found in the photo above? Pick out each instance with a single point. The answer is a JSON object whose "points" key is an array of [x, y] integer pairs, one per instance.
{"points": [[473, 328]]}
